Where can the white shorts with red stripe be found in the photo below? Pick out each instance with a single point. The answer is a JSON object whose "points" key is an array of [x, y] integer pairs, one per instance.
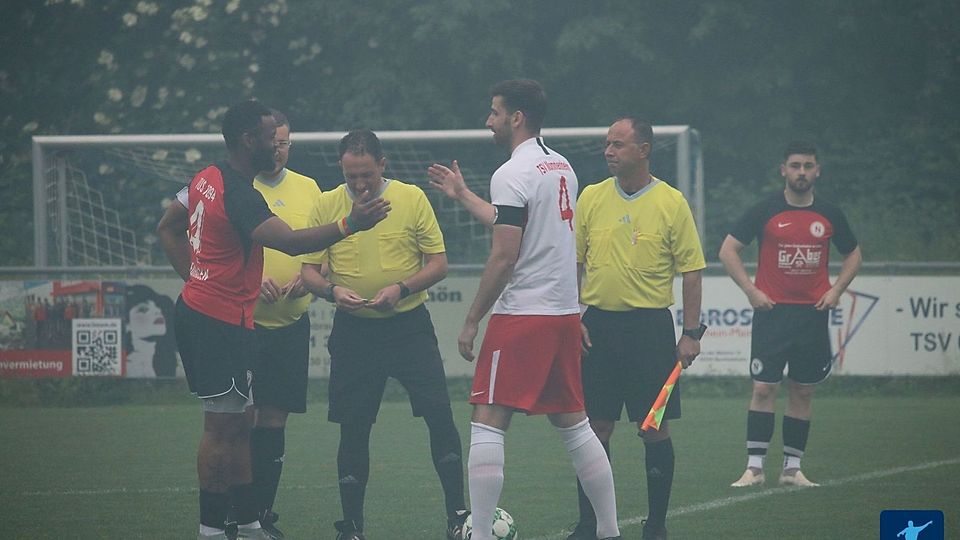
{"points": [[530, 363]]}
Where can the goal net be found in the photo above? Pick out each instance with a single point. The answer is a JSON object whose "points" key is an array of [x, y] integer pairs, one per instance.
{"points": [[97, 199]]}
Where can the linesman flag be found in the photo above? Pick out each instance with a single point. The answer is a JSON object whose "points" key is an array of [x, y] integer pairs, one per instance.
{"points": [[655, 416]]}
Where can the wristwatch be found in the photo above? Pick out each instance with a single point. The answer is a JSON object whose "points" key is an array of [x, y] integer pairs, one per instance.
{"points": [[328, 293], [695, 333]]}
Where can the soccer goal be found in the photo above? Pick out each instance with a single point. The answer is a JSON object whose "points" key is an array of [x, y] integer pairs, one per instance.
{"points": [[97, 199]]}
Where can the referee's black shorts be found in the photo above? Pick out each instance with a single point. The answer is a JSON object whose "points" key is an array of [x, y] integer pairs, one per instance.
{"points": [[280, 369], [365, 351], [633, 353], [217, 356], [794, 335]]}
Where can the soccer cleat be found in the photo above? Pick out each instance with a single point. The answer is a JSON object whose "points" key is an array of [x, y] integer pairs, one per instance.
{"points": [[455, 525], [348, 530], [253, 534], [749, 478], [796, 479], [653, 532], [268, 520], [584, 531], [231, 530]]}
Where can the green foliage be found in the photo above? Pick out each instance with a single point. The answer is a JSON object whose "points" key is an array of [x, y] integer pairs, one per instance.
{"points": [[869, 81]]}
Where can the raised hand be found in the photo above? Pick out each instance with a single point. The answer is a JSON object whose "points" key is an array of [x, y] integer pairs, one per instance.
{"points": [[449, 180]]}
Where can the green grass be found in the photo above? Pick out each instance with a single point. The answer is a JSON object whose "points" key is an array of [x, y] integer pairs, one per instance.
{"points": [[128, 471]]}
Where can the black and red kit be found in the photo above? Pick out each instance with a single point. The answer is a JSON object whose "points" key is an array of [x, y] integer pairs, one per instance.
{"points": [[794, 247], [226, 265]]}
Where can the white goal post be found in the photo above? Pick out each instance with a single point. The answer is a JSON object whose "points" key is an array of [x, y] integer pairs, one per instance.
{"points": [[97, 197]]}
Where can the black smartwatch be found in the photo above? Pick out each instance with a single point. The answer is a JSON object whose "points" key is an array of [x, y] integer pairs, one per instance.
{"points": [[328, 293], [695, 333]]}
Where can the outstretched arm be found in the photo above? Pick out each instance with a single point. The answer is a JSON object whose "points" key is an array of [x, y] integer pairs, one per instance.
{"points": [[450, 181], [275, 233]]}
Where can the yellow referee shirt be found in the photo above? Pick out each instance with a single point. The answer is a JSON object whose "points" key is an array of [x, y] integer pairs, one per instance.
{"points": [[390, 252], [293, 199], [632, 246]]}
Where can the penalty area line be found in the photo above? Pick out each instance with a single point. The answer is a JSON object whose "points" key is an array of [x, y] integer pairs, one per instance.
{"points": [[746, 497]]}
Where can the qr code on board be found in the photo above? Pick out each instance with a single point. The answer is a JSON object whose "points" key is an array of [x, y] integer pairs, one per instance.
{"points": [[97, 351]]}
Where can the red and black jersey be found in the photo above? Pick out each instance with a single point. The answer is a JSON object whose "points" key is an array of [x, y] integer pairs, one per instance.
{"points": [[794, 247], [226, 266]]}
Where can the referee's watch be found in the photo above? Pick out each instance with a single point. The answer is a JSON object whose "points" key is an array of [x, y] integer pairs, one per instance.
{"points": [[695, 333], [328, 293]]}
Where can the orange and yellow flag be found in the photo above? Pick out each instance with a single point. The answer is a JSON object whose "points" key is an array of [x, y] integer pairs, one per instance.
{"points": [[655, 416]]}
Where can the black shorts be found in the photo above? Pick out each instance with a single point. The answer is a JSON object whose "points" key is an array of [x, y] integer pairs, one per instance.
{"points": [[633, 353], [364, 352], [281, 366], [794, 335], [216, 356]]}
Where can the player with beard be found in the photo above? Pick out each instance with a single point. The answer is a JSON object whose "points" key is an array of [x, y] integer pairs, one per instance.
{"points": [[530, 357], [218, 251], [792, 298]]}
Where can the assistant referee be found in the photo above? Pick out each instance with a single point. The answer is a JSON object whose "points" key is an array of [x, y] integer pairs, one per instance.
{"points": [[634, 234]]}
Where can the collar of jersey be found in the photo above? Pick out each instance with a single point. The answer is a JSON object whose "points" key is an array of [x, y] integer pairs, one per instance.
{"points": [[616, 183], [528, 142], [353, 196], [272, 182]]}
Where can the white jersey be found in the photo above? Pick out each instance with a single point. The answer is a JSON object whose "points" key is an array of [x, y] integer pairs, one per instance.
{"points": [[543, 183]]}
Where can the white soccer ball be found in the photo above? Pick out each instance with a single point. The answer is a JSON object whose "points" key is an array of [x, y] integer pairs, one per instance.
{"points": [[503, 526]]}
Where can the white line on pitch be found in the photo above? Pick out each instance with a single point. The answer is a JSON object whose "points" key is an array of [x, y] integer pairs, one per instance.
{"points": [[727, 501]]}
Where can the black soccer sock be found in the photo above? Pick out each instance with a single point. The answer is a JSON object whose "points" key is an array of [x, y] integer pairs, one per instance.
{"points": [[447, 454], [759, 432], [244, 503], [659, 462], [795, 433], [266, 455], [353, 468], [587, 515], [214, 508]]}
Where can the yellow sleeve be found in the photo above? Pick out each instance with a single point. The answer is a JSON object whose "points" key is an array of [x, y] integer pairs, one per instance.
{"points": [[687, 251], [581, 225], [429, 237]]}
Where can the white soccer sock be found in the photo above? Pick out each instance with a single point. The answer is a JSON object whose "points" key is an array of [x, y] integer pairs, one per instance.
{"points": [[755, 462], [485, 470], [596, 477], [791, 462], [206, 530]]}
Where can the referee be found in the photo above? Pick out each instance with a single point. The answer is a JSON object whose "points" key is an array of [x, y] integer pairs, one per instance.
{"points": [[381, 329], [634, 234]]}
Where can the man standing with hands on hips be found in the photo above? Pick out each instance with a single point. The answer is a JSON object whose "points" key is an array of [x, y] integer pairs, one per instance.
{"points": [[791, 299]]}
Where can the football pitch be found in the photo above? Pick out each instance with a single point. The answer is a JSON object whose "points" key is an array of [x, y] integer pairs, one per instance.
{"points": [[129, 472]]}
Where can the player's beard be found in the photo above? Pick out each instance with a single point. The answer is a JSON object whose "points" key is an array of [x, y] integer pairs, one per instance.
{"points": [[800, 186], [502, 136], [265, 160]]}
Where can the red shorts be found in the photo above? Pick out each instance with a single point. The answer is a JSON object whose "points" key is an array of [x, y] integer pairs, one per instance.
{"points": [[530, 363]]}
